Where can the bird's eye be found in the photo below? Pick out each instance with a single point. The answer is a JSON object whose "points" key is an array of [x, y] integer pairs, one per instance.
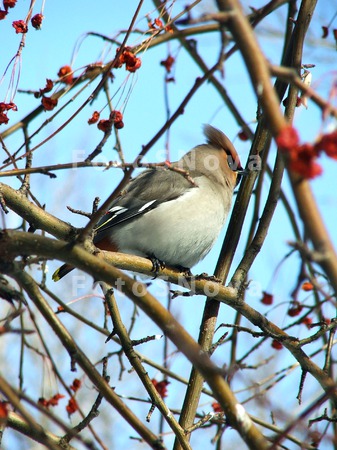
{"points": [[233, 163]]}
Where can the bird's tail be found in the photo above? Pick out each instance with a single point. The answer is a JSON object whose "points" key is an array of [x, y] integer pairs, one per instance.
{"points": [[62, 271]]}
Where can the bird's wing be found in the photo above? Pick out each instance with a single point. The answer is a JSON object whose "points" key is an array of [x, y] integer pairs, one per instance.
{"points": [[143, 194]]}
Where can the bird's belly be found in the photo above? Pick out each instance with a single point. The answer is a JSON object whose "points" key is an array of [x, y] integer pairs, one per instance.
{"points": [[179, 233]]}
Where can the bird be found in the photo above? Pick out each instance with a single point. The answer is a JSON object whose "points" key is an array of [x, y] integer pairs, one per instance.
{"points": [[174, 214]]}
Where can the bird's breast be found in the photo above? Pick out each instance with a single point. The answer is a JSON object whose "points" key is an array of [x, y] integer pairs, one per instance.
{"points": [[179, 232]]}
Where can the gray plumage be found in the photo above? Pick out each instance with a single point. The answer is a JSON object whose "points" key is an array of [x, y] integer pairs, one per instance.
{"points": [[169, 216], [174, 216]]}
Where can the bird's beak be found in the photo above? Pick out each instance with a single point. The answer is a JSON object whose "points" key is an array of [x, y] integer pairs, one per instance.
{"points": [[243, 172]]}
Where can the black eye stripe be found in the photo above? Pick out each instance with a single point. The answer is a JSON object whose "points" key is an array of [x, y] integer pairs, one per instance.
{"points": [[233, 163]]}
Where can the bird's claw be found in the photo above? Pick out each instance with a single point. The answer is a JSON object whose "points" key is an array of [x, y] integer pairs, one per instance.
{"points": [[205, 276], [157, 265]]}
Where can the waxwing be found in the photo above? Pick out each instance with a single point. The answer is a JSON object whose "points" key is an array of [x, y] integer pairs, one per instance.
{"points": [[173, 214]]}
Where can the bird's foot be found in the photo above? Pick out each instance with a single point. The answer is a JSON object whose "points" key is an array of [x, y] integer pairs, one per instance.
{"points": [[205, 276], [157, 265], [185, 271]]}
